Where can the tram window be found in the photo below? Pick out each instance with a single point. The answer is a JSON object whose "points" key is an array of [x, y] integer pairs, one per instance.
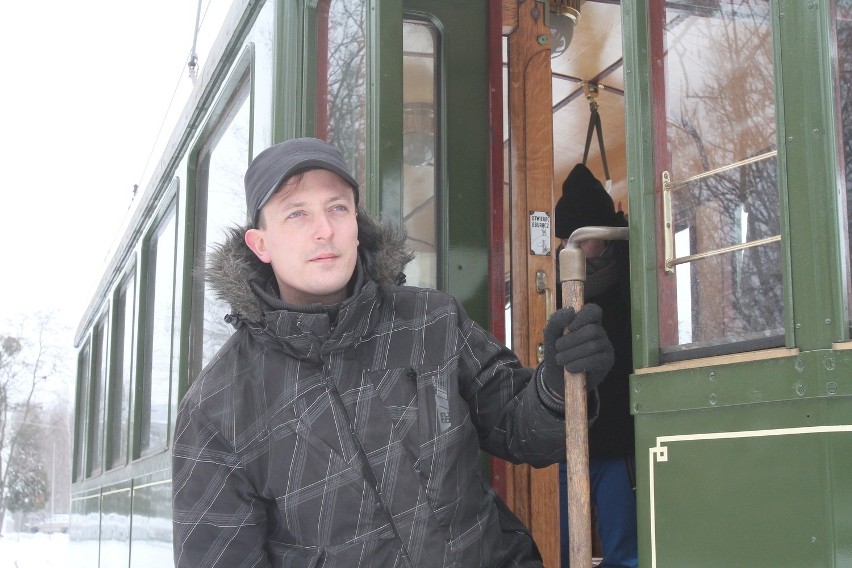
{"points": [[721, 290], [121, 371], [843, 34], [341, 80], [95, 445], [153, 386], [81, 415], [221, 205], [419, 208]]}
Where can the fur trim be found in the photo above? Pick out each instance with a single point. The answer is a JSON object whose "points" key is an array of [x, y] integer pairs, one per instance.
{"points": [[232, 266]]}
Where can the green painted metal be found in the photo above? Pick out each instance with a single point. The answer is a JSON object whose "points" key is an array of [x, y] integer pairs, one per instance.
{"points": [[463, 152], [816, 231], [799, 376], [160, 462], [462, 158], [84, 527], [641, 181], [815, 265], [746, 463], [384, 108], [783, 187], [463, 130], [760, 485], [151, 536], [126, 510], [289, 116], [115, 519]]}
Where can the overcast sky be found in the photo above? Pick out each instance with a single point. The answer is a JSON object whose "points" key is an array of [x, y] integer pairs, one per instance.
{"points": [[84, 91], [85, 88]]}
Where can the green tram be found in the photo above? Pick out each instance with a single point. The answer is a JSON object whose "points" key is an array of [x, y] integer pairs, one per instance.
{"points": [[727, 138]]}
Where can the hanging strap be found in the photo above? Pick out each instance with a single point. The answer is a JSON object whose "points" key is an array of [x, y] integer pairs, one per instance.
{"points": [[595, 124]]}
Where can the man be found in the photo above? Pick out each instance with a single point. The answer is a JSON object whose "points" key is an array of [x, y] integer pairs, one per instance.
{"points": [[612, 457], [341, 423]]}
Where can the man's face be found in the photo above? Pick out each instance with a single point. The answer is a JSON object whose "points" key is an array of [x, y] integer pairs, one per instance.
{"points": [[310, 236]]}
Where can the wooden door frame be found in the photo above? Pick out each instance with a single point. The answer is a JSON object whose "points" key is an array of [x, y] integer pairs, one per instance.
{"points": [[533, 494]]}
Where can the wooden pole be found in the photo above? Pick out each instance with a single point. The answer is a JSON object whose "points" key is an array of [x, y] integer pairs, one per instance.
{"points": [[572, 275]]}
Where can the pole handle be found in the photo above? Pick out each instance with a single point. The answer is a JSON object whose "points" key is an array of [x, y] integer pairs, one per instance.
{"points": [[576, 424]]}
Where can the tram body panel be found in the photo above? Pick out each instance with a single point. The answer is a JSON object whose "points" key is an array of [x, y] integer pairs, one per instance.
{"points": [[745, 484]]}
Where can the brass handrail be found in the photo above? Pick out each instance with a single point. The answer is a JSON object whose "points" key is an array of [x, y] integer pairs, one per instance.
{"points": [[668, 229], [671, 262], [747, 161]]}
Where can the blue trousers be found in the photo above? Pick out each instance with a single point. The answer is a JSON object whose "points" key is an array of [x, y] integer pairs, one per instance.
{"points": [[612, 494]]}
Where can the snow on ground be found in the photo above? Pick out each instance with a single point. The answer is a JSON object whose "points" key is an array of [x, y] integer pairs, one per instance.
{"points": [[26, 550]]}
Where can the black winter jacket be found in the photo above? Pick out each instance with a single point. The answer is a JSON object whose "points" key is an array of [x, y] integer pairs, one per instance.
{"points": [[612, 434], [313, 440]]}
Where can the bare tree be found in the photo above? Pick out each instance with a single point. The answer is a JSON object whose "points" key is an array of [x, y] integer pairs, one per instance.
{"points": [[723, 112], [28, 363]]}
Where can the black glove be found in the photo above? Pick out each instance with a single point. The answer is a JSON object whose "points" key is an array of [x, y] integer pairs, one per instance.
{"points": [[585, 347]]}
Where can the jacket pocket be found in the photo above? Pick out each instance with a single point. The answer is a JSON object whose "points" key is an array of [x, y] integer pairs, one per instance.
{"points": [[420, 405], [431, 422]]}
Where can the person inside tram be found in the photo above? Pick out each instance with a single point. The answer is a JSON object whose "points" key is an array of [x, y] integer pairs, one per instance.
{"points": [[585, 202], [342, 422]]}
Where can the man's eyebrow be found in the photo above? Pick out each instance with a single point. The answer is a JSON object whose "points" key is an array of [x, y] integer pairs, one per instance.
{"points": [[301, 203]]}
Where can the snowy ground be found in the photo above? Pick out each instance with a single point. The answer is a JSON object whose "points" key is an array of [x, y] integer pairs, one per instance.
{"points": [[25, 550]]}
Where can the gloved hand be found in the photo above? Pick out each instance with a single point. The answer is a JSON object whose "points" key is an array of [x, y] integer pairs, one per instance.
{"points": [[585, 347]]}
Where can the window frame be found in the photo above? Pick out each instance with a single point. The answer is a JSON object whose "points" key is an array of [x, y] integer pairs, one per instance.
{"points": [[168, 212], [118, 365]]}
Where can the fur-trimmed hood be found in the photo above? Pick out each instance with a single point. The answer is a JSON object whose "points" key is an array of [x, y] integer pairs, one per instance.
{"points": [[232, 266]]}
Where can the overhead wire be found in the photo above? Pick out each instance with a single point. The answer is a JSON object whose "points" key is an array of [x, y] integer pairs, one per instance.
{"points": [[199, 21]]}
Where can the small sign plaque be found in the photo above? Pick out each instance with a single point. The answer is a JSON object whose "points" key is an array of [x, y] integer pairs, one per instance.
{"points": [[540, 233]]}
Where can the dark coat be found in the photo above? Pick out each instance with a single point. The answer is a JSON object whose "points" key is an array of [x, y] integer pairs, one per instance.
{"points": [[312, 441], [611, 435]]}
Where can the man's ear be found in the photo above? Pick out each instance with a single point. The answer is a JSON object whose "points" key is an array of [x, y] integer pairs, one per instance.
{"points": [[255, 241]]}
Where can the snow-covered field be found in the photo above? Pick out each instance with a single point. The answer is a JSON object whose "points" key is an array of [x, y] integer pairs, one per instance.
{"points": [[25, 550]]}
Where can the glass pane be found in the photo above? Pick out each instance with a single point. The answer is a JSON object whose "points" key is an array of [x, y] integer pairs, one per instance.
{"points": [[418, 123], [84, 530], [115, 527], [720, 124], [122, 371], [151, 537], [507, 200], [843, 18], [226, 163], [154, 395], [81, 421], [96, 408], [342, 80]]}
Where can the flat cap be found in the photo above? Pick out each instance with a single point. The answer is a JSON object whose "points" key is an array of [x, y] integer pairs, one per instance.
{"points": [[280, 162]]}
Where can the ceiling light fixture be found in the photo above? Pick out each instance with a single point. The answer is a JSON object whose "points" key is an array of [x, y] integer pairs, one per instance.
{"points": [[564, 16]]}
